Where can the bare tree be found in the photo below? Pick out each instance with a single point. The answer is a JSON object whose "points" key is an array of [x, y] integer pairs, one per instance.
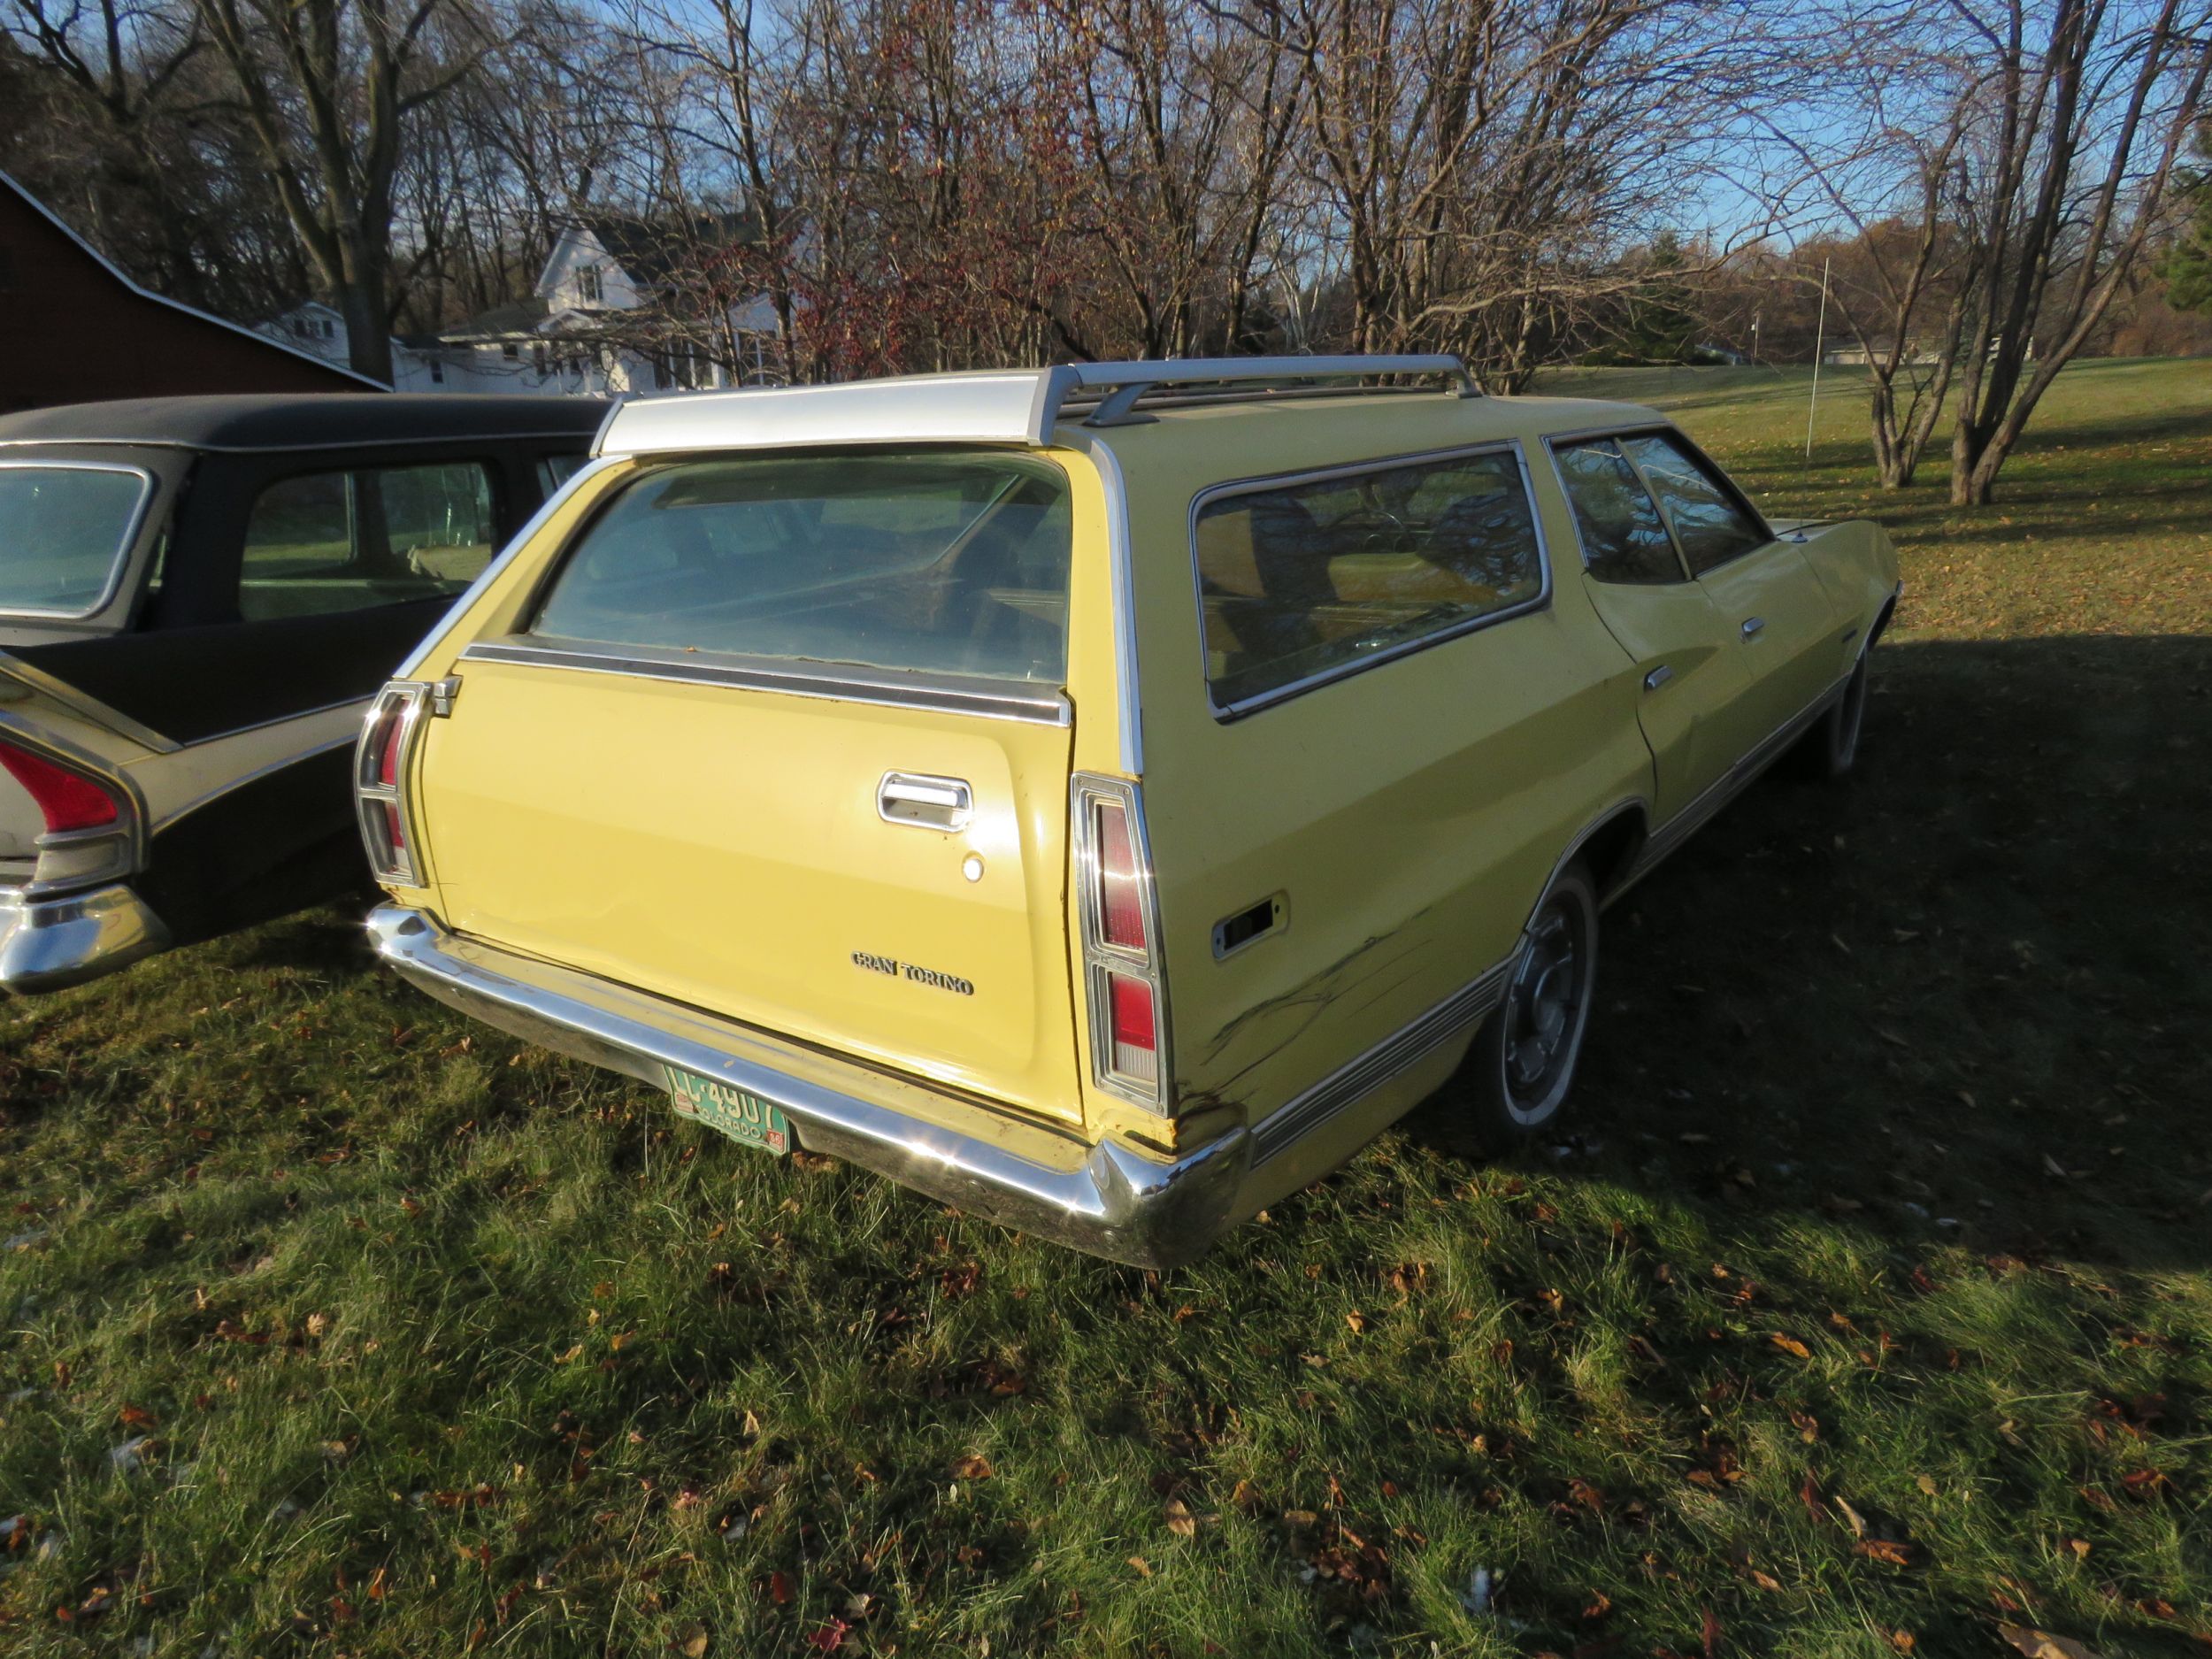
{"points": [[2084, 107], [326, 87], [1892, 165]]}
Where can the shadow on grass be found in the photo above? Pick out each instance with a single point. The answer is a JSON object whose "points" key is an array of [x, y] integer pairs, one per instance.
{"points": [[1959, 998]]}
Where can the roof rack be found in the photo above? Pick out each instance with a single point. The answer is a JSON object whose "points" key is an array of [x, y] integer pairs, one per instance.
{"points": [[1119, 384], [995, 406]]}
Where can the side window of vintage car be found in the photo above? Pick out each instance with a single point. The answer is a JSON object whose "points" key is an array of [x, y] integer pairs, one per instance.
{"points": [[1313, 579], [1624, 538], [1709, 522], [349, 541]]}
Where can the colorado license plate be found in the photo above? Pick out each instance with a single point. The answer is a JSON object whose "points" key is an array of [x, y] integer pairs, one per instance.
{"points": [[746, 1118]]}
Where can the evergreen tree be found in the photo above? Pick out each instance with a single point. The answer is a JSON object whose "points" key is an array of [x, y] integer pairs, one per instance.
{"points": [[2186, 267]]}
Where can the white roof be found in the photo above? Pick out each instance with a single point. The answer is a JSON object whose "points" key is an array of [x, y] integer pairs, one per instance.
{"points": [[994, 406]]}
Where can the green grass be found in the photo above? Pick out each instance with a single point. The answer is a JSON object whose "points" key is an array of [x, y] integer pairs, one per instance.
{"points": [[1888, 1195]]}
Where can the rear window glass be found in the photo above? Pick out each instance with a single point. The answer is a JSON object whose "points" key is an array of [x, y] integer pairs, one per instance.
{"points": [[1315, 577], [946, 562], [63, 531]]}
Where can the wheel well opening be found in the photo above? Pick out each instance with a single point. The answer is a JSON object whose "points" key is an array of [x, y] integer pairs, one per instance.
{"points": [[1611, 849], [1881, 623]]}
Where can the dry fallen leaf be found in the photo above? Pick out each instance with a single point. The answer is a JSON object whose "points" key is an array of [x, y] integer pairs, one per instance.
{"points": [[1180, 1519], [1143, 1567], [972, 1467], [2038, 1644], [1791, 1345], [1926, 1483], [692, 1643]]}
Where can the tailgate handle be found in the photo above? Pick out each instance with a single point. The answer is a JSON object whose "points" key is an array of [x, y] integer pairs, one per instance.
{"points": [[926, 803]]}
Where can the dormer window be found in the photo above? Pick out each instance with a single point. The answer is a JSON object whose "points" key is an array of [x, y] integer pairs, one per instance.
{"points": [[588, 284]]}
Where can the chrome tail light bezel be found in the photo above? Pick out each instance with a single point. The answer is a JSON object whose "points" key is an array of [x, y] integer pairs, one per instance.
{"points": [[378, 804], [1102, 959], [69, 859]]}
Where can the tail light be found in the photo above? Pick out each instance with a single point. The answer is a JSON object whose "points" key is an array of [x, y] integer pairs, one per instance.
{"points": [[91, 822], [380, 780], [68, 800], [1118, 914]]}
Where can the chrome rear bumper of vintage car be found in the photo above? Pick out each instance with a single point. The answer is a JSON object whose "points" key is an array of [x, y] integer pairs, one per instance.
{"points": [[1108, 1198], [48, 944]]}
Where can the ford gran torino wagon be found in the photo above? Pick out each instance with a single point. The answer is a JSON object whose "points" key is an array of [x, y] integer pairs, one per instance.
{"points": [[1101, 797]]}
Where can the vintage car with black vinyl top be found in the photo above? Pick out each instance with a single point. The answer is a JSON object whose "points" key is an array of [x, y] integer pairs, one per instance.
{"points": [[1101, 797], [197, 596]]}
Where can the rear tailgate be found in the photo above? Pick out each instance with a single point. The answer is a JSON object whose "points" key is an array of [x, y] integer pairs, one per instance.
{"points": [[727, 847], [783, 737]]}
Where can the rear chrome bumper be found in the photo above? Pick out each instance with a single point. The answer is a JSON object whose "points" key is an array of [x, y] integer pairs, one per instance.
{"points": [[48, 944], [1108, 1198]]}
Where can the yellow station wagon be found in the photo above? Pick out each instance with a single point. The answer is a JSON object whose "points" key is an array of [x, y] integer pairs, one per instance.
{"points": [[1102, 797]]}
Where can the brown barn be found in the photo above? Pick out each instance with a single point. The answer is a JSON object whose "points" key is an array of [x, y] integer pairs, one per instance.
{"points": [[74, 328]]}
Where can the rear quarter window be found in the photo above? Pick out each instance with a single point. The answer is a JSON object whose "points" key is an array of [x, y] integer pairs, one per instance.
{"points": [[950, 562], [64, 532], [1318, 577]]}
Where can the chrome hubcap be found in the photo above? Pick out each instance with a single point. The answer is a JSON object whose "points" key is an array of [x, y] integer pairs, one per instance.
{"points": [[1542, 1006]]}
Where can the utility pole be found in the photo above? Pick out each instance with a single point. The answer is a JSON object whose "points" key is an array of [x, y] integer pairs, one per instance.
{"points": [[1820, 342]]}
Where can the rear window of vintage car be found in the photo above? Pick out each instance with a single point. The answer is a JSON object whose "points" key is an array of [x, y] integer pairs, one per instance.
{"points": [[949, 563], [1315, 577], [63, 531]]}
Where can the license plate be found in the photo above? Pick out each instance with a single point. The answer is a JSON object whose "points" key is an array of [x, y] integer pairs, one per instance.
{"points": [[746, 1118]]}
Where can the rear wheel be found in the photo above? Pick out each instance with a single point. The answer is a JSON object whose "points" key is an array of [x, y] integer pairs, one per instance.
{"points": [[1522, 1065]]}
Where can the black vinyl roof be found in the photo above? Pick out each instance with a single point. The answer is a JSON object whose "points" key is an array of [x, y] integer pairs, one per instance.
{"points": [[308, 420]]}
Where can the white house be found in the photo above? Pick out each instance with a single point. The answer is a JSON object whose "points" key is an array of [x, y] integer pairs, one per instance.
{"points": [[613, 311]]}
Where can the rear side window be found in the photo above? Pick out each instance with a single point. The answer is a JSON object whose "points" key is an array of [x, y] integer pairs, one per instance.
{"points": [[368, 536], [64, 530], [1709, 522], [1320, 577], [1624, 538], [946, 562]]}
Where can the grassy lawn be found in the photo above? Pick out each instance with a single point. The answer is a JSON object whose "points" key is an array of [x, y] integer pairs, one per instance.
{"points": [[1867, 1306]]}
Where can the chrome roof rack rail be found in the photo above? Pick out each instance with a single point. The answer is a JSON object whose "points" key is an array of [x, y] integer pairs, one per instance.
{"points": [[1119, 384]]}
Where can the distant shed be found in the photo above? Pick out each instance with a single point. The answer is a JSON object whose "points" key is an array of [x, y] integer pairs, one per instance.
{"points": [[74, 328]]}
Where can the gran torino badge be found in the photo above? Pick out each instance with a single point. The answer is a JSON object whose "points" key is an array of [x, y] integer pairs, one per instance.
{"points": [[899, 970]]}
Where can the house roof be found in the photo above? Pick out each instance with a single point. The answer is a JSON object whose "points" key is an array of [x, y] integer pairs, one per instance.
{"points": [[516, 317], [120, 335], [304, 421], [651, 251]]}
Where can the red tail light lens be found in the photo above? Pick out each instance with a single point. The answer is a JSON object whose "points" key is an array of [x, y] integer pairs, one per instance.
{"points": [[380, 779], [1135, 1028], [1121, 903], [1125, 979], [388, 753], [67, 800]]}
